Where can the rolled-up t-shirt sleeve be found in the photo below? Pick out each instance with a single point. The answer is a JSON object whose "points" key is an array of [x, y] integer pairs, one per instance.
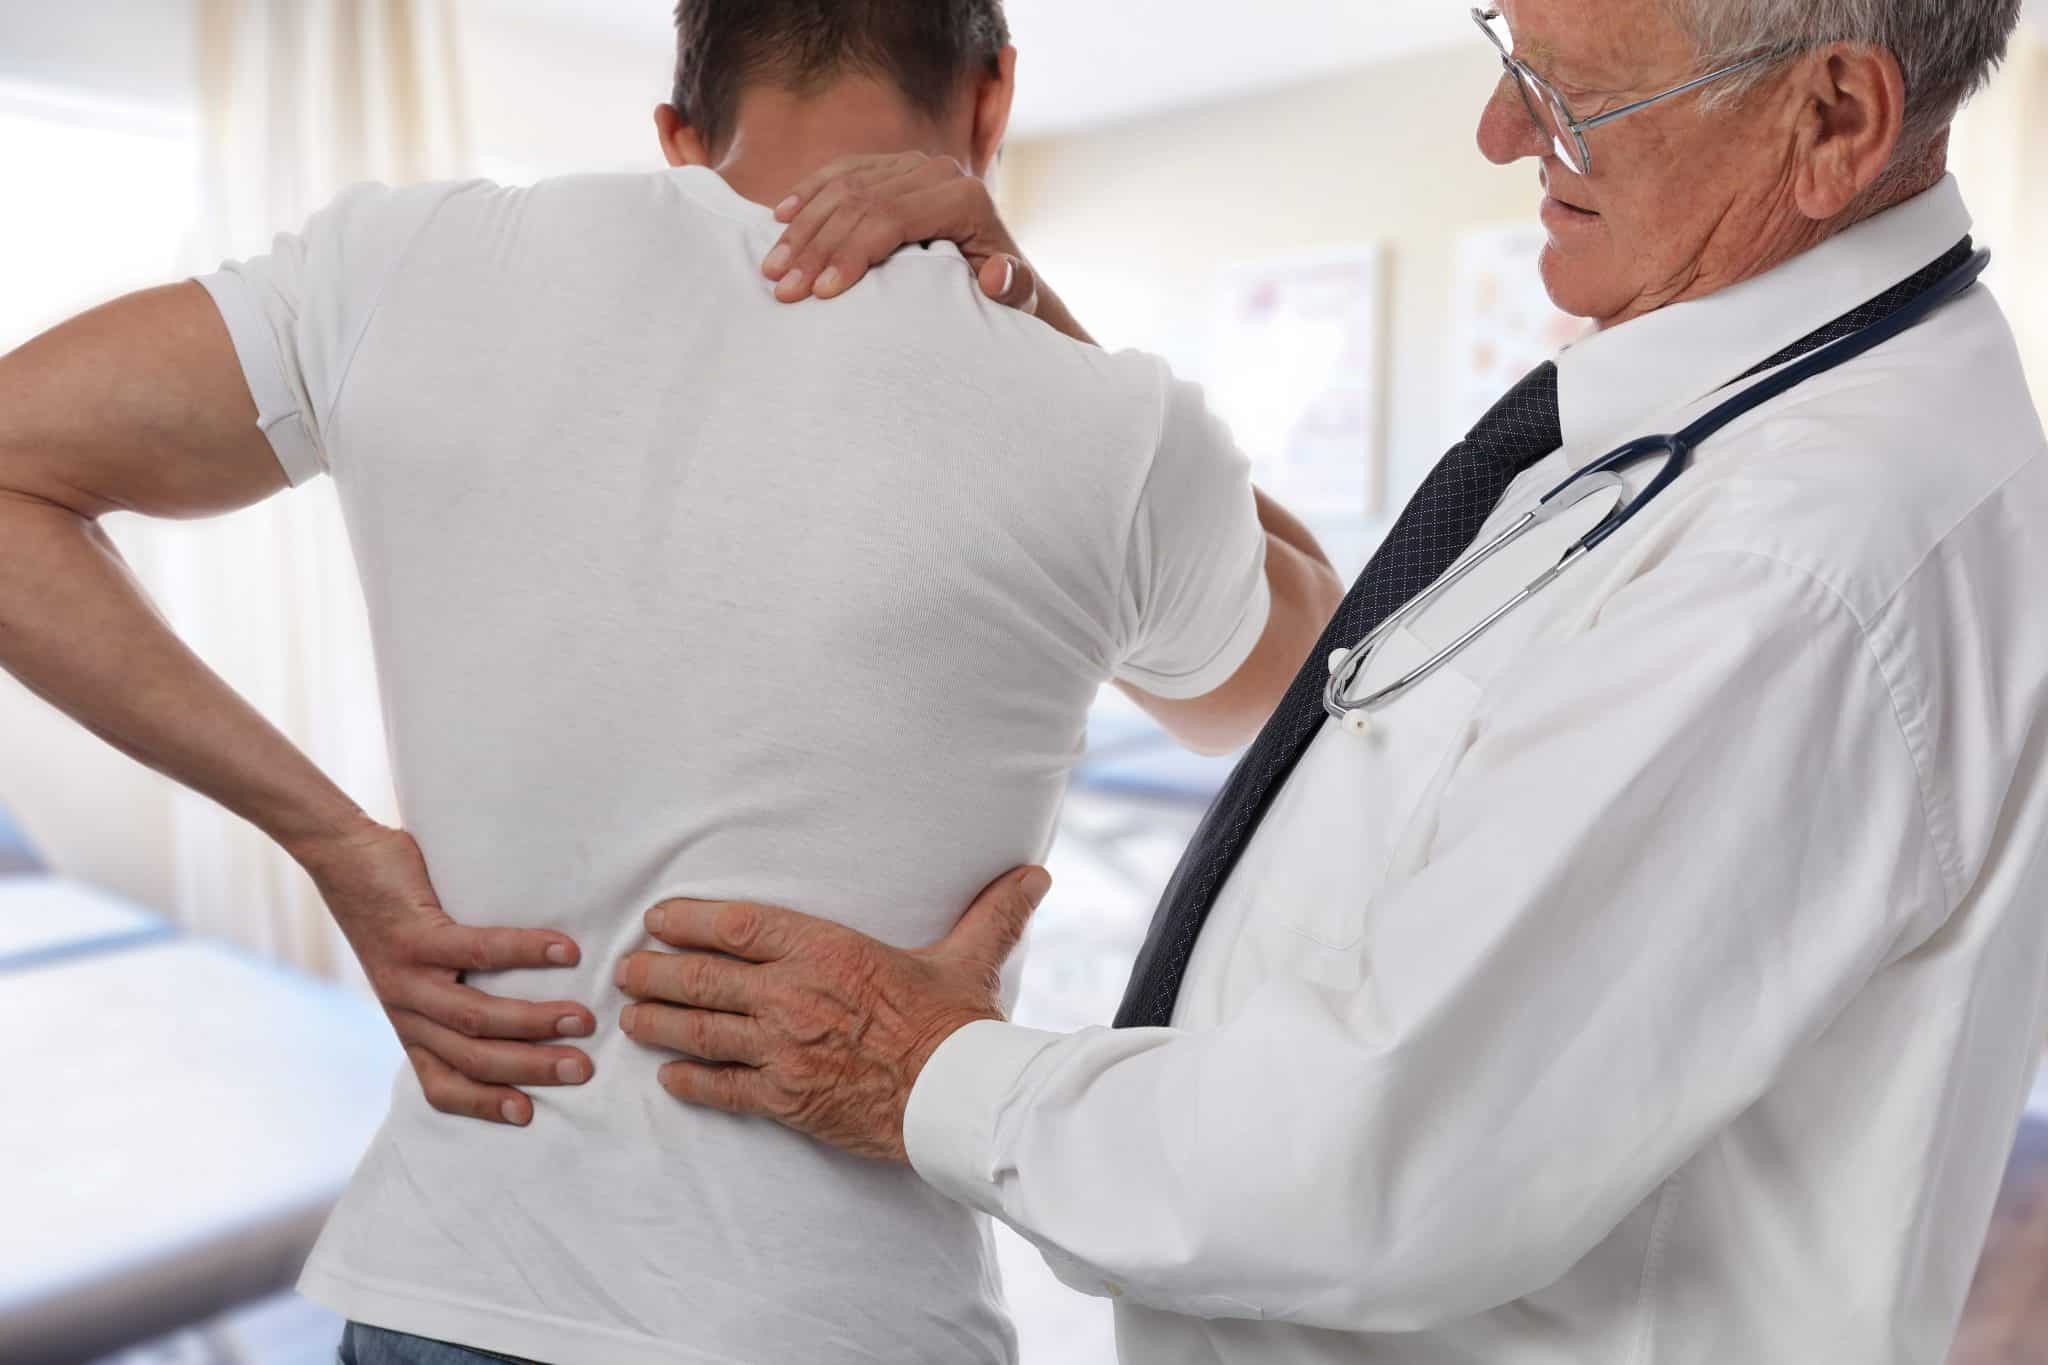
{"points": [[298, 315], [1195, 600]]}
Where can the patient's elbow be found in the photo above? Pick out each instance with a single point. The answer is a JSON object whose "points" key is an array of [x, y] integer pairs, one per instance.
{"points": [[1222, 743]]}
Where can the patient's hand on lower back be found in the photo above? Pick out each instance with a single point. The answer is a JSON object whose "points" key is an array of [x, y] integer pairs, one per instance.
{"points": [[470, 1050]]}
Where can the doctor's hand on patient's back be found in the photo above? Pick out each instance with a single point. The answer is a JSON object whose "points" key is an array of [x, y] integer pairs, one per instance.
{"points": [[776, 1015], [860, 210], [471, 1051]]}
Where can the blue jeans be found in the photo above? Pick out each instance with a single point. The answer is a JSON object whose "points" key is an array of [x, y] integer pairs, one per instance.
{"points": [[362, 1345]]}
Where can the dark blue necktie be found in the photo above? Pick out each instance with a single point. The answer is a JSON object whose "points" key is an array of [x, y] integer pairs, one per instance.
{"points": [[1438, 526]]}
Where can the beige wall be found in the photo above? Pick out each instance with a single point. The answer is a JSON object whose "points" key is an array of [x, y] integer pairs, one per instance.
{"points": [[2000, 155], [1132, 223], [549, 96]]}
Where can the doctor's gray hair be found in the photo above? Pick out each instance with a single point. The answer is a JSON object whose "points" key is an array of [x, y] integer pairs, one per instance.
{"points": [[1948, 49]]}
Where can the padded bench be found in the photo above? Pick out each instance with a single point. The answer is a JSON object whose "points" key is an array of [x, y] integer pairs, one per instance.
{"points": [[178, 1121], [46, 919]]}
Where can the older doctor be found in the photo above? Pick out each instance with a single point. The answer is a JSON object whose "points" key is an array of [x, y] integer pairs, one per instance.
{"points": [[1660, 981]]}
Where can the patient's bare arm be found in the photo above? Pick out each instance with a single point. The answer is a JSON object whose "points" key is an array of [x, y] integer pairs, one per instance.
{"points": [[141, 406]]}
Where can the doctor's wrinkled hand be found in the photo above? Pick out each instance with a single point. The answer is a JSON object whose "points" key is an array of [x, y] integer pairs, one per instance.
{"points": [[470, 1050], [809, 1023]]}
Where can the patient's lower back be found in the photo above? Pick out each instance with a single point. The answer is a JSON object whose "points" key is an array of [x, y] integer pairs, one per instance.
{"points": [[680, 592]]}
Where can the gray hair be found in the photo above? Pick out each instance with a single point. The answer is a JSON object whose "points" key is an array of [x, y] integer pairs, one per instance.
{"points": [[1948, 49]]}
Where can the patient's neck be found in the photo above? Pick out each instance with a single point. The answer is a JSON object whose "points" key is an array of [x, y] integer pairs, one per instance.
{"points": [[781, 136]]}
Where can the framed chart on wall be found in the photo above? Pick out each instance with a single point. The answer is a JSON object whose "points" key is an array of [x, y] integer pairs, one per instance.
{"points": [[1295, 369], [1503, 324]]}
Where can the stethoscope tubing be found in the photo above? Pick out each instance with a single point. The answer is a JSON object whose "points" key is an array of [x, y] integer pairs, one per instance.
{"points": [[1605, 474], [1768, 390]]}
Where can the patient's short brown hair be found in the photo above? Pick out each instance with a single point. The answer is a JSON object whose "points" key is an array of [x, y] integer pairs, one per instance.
{"points": [[925, 47]]}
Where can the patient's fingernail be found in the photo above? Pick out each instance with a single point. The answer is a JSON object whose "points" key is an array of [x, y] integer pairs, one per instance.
{"points": [[788, 206], [560, 955], [657, 921], [510, 1109], [569, 1071], [829, 281], [627, 1017], [570, 1026], [792, 287], [778, 260], [620, 975]]}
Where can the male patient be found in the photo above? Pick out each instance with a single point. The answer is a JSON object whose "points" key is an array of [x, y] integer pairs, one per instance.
{"points": [[676, 592]]}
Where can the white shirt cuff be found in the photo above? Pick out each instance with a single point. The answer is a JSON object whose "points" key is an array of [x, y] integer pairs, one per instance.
{"points": [[949, 1129]]}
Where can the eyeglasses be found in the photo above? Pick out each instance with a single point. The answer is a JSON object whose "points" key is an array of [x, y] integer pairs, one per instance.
{"points": [[1549, 112]]}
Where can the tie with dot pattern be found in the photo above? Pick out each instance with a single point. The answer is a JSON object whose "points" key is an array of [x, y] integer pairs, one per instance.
{"points": [[1441, 523]]}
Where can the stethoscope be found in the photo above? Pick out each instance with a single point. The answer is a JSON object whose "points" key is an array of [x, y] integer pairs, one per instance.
{"points": [[1603, 476]]}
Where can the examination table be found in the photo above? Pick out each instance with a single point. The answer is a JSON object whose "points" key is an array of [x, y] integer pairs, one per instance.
{"points": [[178, 1119]]}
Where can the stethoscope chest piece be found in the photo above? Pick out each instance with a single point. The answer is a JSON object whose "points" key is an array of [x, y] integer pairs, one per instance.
{"points": [[1358, 722]]}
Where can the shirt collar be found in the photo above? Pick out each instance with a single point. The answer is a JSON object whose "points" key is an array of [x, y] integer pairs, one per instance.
{"points": [[709, 189], [1612, 382]]}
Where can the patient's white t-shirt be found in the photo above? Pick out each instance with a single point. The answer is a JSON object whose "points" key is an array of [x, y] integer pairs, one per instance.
{"points": [[681, 592]]}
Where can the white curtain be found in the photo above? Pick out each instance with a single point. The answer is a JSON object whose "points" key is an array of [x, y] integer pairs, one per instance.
{"points": [[2001, 156], [302, 98]]}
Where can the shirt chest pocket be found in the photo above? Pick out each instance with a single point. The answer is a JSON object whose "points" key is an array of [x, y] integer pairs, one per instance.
{"points": [[1356, 803], [1351, 801]]}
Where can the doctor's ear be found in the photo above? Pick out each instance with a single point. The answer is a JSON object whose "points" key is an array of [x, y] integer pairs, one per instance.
{"points": [[680, 143], [1852, 114]]}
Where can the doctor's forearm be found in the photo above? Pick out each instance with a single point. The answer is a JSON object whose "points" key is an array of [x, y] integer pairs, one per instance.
{"points": [[77, 629]]}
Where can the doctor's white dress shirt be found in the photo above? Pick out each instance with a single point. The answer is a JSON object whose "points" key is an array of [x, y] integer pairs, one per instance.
{"points": [[1660, 984]]}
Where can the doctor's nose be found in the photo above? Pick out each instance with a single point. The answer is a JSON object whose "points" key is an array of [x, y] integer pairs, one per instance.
{"points": [[1507, 133]]}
